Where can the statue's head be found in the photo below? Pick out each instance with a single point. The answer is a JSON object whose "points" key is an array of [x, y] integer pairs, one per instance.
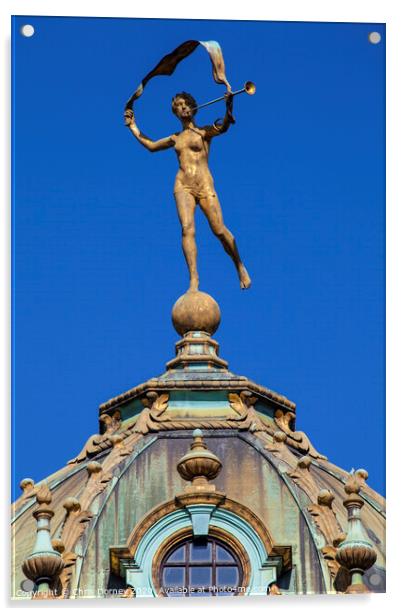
{"points": [[183, 104]]}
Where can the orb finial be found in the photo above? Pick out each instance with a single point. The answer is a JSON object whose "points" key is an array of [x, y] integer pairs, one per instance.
{"points": [[196, 311]]}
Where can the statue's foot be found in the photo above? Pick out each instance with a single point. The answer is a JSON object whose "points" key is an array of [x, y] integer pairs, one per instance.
{"points": [[245, 280]]}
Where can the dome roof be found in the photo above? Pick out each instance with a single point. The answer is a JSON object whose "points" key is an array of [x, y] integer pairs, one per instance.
{"points": [[107, 498]]}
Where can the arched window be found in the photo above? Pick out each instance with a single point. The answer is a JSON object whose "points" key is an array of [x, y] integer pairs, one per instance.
{"points": [[192, 568]]}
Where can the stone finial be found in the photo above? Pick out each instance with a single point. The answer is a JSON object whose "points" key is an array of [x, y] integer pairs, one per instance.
{"points": [[199, 465], [27, 485], [356, 552], [196, 317], [44, 565]]}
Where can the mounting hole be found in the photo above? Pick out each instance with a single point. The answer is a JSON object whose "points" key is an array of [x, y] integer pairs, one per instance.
{"points": [[27, 30], [374, 579], [374, 37], [27, 585]]}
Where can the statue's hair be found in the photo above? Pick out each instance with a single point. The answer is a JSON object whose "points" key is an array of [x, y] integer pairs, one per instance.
{"points": [[190, 100]]}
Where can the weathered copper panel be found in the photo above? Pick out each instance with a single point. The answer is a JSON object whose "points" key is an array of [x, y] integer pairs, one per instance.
{"points": [[245, 477]]}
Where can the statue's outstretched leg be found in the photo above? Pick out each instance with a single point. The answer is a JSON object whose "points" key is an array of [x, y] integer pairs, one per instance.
{"points": [[186, 204], [211, 207]]}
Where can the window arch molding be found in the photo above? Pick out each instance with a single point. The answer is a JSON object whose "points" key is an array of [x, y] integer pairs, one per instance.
{"points": [[198, 515], [214, 532]]}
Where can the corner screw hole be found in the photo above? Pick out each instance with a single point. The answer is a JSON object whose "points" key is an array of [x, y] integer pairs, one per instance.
{"points": [[374, 38], [27, 30]]}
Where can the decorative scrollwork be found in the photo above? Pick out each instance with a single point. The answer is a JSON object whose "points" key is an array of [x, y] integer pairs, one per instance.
{"points": [[324, 516], [248, 418], [154, 407], [298, 440], [99, 442]]}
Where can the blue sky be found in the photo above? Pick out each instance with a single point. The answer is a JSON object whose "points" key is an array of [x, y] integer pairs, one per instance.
{"points": [[97, 262]]}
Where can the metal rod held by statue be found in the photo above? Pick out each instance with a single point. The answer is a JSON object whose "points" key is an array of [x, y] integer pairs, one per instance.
{"points": [[249, 88]]}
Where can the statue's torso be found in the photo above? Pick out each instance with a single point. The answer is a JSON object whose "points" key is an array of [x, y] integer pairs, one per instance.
{"points": [[192, 151]]}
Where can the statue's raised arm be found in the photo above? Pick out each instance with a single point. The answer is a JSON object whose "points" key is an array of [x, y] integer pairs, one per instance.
{"points": [[149, 144]]}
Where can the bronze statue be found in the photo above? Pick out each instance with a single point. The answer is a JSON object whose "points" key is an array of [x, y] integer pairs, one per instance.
{"points": [[194, 184]]}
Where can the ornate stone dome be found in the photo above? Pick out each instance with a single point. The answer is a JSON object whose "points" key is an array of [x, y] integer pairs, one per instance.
{"points": [[146, 494]]}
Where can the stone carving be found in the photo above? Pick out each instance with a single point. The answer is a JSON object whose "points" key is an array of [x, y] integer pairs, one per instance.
{"points": [[248, 418], [69, 560], [324, 516], [73, 527], [155, 417], [75, 520], [58, 545], [78, 513], [298, 440], [98, 442], [27, 486], [29, 490], [93, 468], [154, 406], [278, 445], [237, 382], [321, 508], [302, 477]]}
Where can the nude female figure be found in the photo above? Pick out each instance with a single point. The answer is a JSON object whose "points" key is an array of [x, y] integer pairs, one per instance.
{"points": [[194, 183]]}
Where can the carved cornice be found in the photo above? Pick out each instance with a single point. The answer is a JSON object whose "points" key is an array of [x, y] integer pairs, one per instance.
{"points": [[237, 383], [155, 417]]}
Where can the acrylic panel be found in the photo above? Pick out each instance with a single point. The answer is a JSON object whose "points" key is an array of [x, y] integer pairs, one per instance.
{"points": [[186, 270]]}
